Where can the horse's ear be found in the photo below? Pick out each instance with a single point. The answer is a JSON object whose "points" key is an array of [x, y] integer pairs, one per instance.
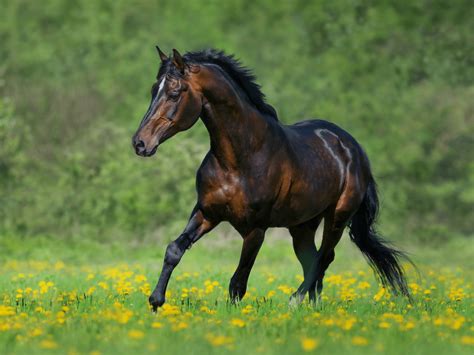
{"points": [[178, 61], [162, 55]]}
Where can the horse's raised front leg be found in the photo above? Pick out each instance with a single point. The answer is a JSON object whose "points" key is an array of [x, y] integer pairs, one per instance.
{"points": [[197, 226], [252, 243]]}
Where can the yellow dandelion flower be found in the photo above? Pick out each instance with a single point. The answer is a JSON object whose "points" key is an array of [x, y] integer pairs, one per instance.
{"points": [[467, 340], [136, 334], [363, 285], [237, 322], [219, 340], [36, 332], [48, 344], [6, 310], [359, 341], [157, 325], [308, 344], [271, 293], [179, 326]]}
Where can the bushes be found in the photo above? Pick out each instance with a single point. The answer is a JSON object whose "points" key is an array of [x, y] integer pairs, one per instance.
{"points": [[399, 78]]}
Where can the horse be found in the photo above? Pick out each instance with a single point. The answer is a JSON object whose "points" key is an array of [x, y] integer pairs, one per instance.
{"points": [[260, 173]]}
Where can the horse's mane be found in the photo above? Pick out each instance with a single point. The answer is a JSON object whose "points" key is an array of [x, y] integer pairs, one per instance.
{"points": [[239, 74]]}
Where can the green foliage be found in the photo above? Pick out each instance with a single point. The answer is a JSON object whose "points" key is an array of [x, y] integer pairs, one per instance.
{"points": [[399, 77]]}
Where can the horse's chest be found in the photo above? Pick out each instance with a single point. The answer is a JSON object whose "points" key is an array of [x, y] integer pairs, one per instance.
{"points": [[231, 199]]}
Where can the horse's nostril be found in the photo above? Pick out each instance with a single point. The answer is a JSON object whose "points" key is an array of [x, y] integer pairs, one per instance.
{"points": [[139, 147]]}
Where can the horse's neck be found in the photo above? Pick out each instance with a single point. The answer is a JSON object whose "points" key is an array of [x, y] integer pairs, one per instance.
{"points": [[236, 130]]}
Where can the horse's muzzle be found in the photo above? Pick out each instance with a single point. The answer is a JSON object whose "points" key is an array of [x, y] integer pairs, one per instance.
{"points": [[140, 148]]}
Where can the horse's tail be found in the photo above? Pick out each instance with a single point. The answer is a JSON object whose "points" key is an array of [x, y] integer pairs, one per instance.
{"points": [[382, 257]]}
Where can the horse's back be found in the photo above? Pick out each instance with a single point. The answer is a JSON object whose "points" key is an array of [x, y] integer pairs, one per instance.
{"points": [[334, 147]]}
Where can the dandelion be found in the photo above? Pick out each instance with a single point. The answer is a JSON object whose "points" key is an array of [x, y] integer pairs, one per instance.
{"points": [[157, 325], [467, 340], [378, 296], [248, 309], [179, 326], [308, 344], [407, 326], [285, 289], [359, 341], [219, 340], [237, 322], [6, 311], [271, 293], [36, 332], [48, 344], [136, 334]]}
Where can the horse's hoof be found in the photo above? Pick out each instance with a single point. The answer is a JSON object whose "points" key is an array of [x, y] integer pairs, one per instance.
{"points": [[156, 301], [295, 300]]}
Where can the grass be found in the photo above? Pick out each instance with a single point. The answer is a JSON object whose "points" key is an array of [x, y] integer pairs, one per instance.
{"points": [[78, 296]]}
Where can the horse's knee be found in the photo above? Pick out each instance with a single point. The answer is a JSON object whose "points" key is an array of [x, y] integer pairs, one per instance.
{"points": [[173, 254]]}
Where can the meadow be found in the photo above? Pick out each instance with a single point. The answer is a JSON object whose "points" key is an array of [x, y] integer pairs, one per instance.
{"points": [[84, 222], [95, 302]]}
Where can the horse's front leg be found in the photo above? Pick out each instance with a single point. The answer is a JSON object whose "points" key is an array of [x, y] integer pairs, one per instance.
{"points": [[197, 226], [252, 243]]}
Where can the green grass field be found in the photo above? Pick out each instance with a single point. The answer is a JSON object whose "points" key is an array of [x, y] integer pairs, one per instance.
{"points": [[85, 298]]}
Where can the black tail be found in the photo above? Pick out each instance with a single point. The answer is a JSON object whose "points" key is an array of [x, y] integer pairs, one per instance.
{"points": [[382, 257]]}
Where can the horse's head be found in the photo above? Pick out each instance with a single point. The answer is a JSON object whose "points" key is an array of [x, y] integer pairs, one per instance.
{"points": [[176, 103]]}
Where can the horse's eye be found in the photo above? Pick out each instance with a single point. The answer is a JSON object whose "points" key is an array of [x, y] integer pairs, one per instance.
{"points": [[174, 95]]}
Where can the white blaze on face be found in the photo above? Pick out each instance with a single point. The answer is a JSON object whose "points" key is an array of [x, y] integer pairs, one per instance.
{"points": [[162, 85], [160, 90]]}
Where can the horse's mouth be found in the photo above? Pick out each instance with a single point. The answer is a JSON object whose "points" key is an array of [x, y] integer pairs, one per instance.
{"points": [[145, 153]]}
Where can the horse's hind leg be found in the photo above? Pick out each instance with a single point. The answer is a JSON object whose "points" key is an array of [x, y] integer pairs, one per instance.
{"points": [[334, 224], [331, 236], [306, 252]]}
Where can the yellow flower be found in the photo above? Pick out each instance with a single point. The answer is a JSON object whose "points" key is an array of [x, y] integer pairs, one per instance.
{"points": [[103, 285], [169, 310], [384, 325], [6, 310], [36, 332], [407, 326], [219, 340], [156, 325], [270, 279], [360, 341], [467, 340], [48, 344], [179, 326], [237, 322], [308, 344], [378, 296], [248, 309], [285, 289], [136, 334], [271, 293]]}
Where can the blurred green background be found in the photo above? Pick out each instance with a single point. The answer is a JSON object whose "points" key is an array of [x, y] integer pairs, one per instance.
{"points": [[75, 79]]}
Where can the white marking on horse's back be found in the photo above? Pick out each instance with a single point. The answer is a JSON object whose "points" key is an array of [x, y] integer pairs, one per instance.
{"points": [[340, 163]]}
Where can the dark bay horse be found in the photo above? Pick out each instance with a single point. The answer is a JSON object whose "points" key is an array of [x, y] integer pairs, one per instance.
{"points": [[260, 173]]}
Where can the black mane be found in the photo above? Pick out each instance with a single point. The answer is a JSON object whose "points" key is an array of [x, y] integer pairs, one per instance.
{"points": [[241, 75]]}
